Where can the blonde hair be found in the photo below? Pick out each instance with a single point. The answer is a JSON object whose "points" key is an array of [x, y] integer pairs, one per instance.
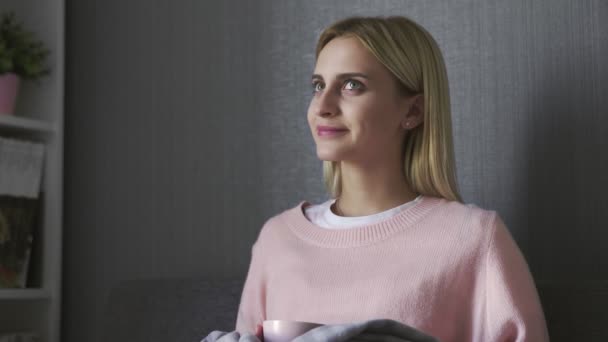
{"points": [[411, 54]]}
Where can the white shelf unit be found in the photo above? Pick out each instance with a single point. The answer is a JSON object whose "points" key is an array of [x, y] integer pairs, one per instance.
{"points": [[39, 117], [19, 294], [15, 123]]}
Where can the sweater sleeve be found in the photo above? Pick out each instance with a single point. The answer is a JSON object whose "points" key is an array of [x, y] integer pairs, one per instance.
{"points": [[252, 308], [512, 306]]}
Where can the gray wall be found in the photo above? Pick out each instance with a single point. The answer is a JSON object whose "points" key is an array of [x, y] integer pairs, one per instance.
{"points": [[186, 130]]}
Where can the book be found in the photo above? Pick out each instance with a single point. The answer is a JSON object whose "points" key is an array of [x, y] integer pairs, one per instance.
{"points": [[20, 178], [17, 215]]}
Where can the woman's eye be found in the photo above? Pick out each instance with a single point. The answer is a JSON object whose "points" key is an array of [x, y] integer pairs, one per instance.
{"points": [[316, 87], [352, 85]]}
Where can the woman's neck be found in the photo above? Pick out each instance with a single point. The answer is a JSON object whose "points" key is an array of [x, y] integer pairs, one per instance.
{"points": [[370, 191]]}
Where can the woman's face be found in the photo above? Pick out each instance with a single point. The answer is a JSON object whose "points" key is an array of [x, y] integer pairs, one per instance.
{"points": [[353, 91]]}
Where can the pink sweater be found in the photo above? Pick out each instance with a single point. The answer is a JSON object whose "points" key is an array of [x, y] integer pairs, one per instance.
{"points": [[448, 269]]}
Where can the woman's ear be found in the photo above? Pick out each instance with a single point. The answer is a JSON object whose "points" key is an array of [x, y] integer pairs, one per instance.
{"points": [[415, 114]]}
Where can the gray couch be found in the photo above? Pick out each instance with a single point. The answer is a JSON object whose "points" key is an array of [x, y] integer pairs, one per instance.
{"points": [[176, 310]]}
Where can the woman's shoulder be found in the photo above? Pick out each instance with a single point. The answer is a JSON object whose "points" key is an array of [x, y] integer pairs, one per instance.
{"points": [[276, 222], [467, 225], [470, 207], [470, 215]]}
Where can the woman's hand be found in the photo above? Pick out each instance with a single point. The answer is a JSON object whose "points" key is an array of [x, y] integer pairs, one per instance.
{"points": [[259, 332]]}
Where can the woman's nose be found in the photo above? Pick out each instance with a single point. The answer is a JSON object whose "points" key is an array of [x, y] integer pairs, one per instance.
{"points": [[326, 103]]}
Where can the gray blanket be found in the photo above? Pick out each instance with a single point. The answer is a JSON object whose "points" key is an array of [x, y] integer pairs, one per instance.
{"points": [[380, 330]]}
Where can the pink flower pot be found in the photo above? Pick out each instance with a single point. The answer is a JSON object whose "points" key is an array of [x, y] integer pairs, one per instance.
{"points": [[9, 86]]}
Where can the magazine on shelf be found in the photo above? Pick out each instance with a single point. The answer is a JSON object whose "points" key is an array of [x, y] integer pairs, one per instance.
{"points": [[21, 164]]}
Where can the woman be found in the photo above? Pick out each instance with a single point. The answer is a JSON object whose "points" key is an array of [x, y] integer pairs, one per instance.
{"points": [[395, 241]]}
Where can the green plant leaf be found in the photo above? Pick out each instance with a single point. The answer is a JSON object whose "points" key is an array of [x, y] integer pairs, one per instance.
{"points": [[20, 51]]}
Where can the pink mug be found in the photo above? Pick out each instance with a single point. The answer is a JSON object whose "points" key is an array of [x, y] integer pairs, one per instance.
{"points": [[285, 331]]}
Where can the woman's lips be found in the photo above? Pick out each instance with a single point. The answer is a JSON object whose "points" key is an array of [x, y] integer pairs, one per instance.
{"points": [[330, 131]]}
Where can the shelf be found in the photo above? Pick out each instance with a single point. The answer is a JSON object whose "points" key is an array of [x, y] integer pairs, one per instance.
{"points": [[25, 124], [19, 294], [40, 119]]}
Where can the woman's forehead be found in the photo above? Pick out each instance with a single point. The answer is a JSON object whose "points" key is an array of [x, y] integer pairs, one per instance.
{"points": [[346, 55]]}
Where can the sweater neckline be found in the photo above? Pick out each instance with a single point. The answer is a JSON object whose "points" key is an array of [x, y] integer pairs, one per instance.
{"points": [[357, 236]]}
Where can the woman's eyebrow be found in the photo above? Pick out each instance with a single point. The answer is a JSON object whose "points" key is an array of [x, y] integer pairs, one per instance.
{"points": [[343, 76]]}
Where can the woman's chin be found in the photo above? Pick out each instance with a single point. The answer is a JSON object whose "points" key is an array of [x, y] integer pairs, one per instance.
{"points": [[328, 157], [332, 153]]}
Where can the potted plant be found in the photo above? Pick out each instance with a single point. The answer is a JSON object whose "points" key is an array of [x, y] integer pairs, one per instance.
{"points": [[22, 56]]}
